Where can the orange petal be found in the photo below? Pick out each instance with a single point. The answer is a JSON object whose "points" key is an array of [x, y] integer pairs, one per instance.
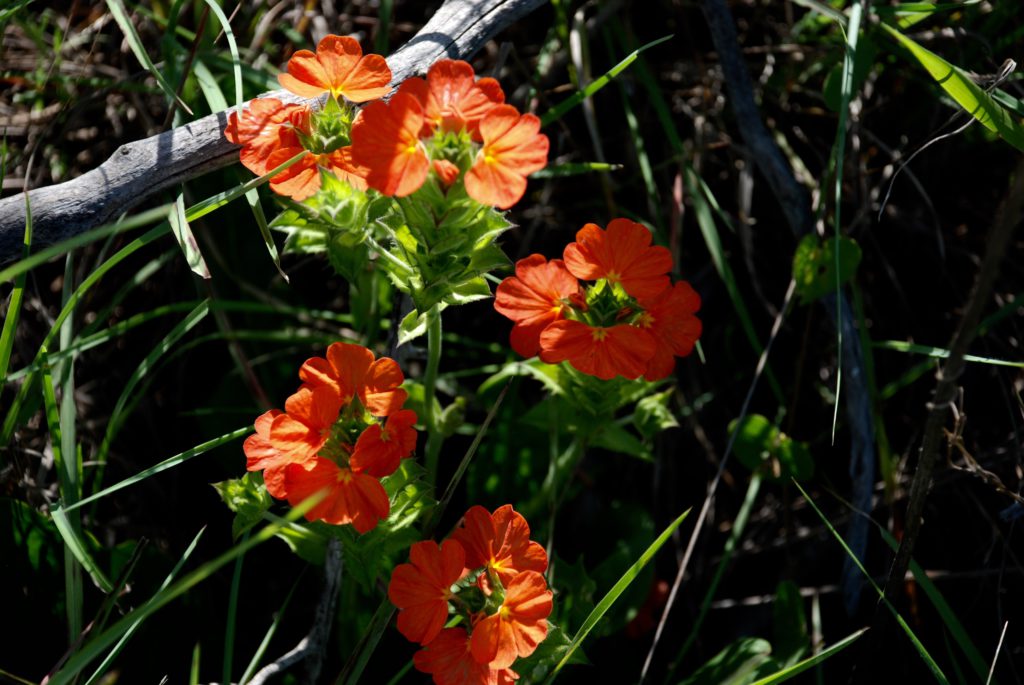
{"points": [[385, 140], [369, 80], [349, 364], [306, 75]]}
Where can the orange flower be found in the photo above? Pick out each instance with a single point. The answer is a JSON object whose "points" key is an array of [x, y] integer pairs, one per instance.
{"points": [[421, 589], [518, 626], [449, 660], [621, 350], [500, 542], [513, 148], [622, 254], [669, 316], [534, 298], [379, 449], [258, 128], [269, 131], [338, 67], [385, 140], [452, 98], [349, 496], [353, 372]]}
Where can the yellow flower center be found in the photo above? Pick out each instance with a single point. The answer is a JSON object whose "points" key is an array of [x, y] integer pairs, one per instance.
{"points": [[599, 334]]}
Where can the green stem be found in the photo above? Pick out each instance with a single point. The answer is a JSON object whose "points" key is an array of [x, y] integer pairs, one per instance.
{"points": [[430, 417]]}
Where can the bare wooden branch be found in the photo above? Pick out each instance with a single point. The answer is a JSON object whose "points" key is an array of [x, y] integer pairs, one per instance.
{"points": [[136, 171]]}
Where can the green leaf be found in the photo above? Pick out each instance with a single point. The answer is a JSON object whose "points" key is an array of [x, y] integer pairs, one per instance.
{"points": [[737, 664], [247, 498], [469, 291], [615, 438], [413, 325], [652, 415], [968, 94], [760, 445], [790, 639], [814, 266], [536, 667]]}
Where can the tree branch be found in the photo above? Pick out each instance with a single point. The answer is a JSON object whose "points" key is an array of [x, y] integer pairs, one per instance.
{"points": [[138, 170]]}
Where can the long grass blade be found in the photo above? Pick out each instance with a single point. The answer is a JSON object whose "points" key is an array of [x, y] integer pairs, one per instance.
{"points": [[559, 110], [169, 463], [612, 595], [968, 94], [797, 668], [118, 415], [14, 305], [120, 14], [86, 237], [102, 642], [925, 656], [186, 240], [940, 353]]}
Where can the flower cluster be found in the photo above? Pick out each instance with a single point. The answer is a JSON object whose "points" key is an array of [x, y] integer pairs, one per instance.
{"points": [[632, 321], [491, 575], [446, 126], [272, 132], [340, 433]]}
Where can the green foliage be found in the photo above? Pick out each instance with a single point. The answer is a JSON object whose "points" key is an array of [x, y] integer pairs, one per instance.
{"points": [[762, 446], [737, 664], [814, 266], [247, 497]]}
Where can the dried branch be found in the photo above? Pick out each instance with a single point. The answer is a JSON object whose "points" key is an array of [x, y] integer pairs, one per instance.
{"points": [[311, 647], [136, 171], [1009, 216]]}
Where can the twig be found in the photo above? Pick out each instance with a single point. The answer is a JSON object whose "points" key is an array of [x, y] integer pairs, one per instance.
{"points": [[1009, 215], [311, 647], [138, 170]]}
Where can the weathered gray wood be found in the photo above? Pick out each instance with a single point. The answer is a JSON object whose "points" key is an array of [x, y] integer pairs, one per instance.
{"points": [[138, 170]]}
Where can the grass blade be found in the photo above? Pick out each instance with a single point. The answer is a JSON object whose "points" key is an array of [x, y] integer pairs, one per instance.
{"points": [[559, 110], [98, 645], [183, 234], [797, 668], [120, 14], [925, 656], [109, 660], [30, 262], [968, 94], [609, 599], [838, 154], [940, 353], [574, 169], [14, 307], [169, 463], [118, 415]]}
